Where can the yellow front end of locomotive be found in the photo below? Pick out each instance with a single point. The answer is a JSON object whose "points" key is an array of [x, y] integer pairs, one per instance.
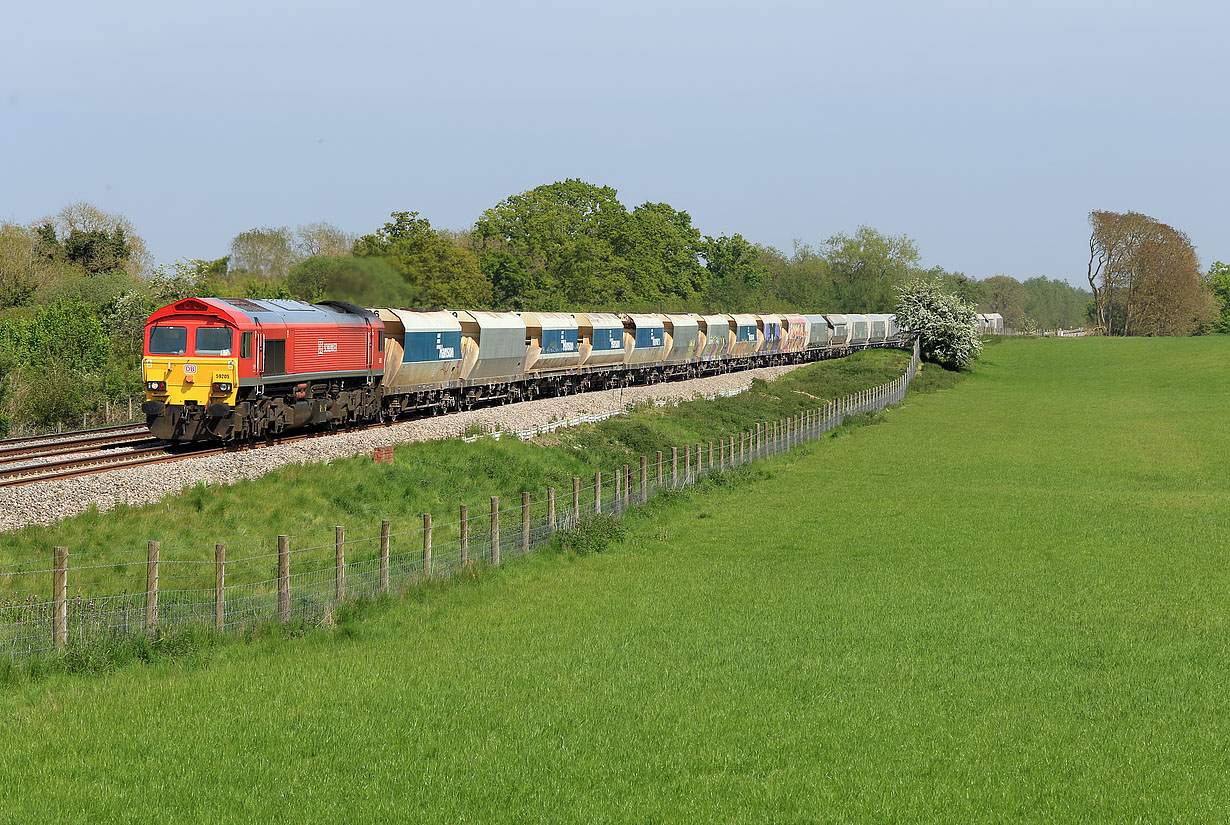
{"points": [[191, 381]]}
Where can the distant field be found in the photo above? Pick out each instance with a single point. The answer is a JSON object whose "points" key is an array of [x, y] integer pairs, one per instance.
{"points": [[1009, 600]]}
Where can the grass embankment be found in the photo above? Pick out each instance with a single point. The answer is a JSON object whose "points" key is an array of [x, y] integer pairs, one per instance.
{"points": [[1008, 601], [108, 549]]}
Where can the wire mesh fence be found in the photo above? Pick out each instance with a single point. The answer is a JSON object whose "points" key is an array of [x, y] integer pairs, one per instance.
{"points": [[306, 576]]}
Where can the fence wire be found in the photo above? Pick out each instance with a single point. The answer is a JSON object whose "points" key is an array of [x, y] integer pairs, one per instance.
{"points": [[295, 577]]}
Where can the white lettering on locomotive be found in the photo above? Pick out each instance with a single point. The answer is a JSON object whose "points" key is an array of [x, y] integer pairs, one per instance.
{"points": [[322, 347]]}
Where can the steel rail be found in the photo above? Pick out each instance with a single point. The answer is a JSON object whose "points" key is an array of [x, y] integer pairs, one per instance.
{"points": [[80, 445], [68, 436]]}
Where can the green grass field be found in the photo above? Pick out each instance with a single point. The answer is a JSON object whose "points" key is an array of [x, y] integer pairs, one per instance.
{"points": [[1008, 600]]}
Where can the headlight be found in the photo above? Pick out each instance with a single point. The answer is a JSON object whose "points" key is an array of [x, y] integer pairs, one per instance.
{"points": [[156, 386], [222, 386]]}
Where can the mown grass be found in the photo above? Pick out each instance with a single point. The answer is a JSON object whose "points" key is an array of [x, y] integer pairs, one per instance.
{"points": [[306, 501], [1007, 601]]}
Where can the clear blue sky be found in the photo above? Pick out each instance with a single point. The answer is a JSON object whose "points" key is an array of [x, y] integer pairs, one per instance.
{"points": [[985, 131]]}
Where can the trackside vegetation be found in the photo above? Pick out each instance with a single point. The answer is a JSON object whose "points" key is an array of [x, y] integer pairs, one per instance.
{"points": [[1006, 601], [306, 501]]}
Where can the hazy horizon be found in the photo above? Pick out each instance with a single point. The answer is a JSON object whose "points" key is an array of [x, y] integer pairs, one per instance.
{"points": [[985, 134]]}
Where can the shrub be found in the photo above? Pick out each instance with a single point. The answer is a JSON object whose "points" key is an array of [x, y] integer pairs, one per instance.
{"points": [[592, 534], [946, 326]]}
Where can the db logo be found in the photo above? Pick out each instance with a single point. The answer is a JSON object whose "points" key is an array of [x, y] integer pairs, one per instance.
{"points": [[189, 369], [322, 347]]}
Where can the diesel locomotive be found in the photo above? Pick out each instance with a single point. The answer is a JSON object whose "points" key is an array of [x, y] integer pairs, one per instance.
{"points": [[235, 369]]}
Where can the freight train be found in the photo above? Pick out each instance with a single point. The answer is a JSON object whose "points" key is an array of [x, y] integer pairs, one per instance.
{"points": [[236, 370]]}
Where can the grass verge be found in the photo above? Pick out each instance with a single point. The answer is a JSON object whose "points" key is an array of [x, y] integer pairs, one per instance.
{"points": [[988, 609]]}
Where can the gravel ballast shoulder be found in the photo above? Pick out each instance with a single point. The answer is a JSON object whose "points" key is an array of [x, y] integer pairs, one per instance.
{"points": [[49, 501]]}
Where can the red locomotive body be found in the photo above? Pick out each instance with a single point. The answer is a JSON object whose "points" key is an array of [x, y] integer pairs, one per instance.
{"points": [[235, 368]]}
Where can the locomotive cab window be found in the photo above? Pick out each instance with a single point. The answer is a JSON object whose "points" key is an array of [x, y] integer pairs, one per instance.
{"points": [[213, 341], [245, 345], [165, 340]]}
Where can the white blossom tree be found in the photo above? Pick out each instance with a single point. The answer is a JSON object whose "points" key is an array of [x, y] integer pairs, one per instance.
{"points": [[946, 326]]}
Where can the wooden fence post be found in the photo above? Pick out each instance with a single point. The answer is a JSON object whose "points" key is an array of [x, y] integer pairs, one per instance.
{"points": [[495, 531], [598, 493], [732, 451], [151, 588], [284, 578], [59, 596], [644, 479], [551, 507], [711, 456], [687, 462], [465, 534], [339, 563], [722, 454], [427, 545], [219, 587], [525, 523], [627, 486], [698, 460], [384, 554], [619, 493], [576, 500], [674, 466]]}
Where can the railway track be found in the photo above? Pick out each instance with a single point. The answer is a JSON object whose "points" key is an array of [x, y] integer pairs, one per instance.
{"points": [[48, 465], [69, 437], [46, 458], [81, 444]]}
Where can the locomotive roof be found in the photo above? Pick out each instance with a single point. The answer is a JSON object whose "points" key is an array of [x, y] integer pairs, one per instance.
{"points": [[267, 311]]}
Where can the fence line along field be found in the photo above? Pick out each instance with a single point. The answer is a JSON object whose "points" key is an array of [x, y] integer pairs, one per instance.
{"points": [[1007, 601], [366, 563]]}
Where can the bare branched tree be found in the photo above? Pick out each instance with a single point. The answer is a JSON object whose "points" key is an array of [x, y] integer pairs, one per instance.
{"points": [[86, 217], [322, 239]]}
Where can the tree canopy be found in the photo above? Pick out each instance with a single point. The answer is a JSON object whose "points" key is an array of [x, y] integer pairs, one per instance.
{"points": [[1145, 277], [438, 272], [945, 324]]}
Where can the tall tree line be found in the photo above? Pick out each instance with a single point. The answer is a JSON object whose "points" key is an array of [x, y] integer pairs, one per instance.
{"points": [[76, 287]]}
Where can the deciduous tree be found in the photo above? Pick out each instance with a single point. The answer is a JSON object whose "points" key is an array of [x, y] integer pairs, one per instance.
{"points": [[866, 268], [266, 252], [946, 326], [1006, 296], [1218, 282], [441, 272], [1145, 277]]}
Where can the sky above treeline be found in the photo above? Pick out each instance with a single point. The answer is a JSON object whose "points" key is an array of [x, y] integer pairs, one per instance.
{"points": [[985, 131]]}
